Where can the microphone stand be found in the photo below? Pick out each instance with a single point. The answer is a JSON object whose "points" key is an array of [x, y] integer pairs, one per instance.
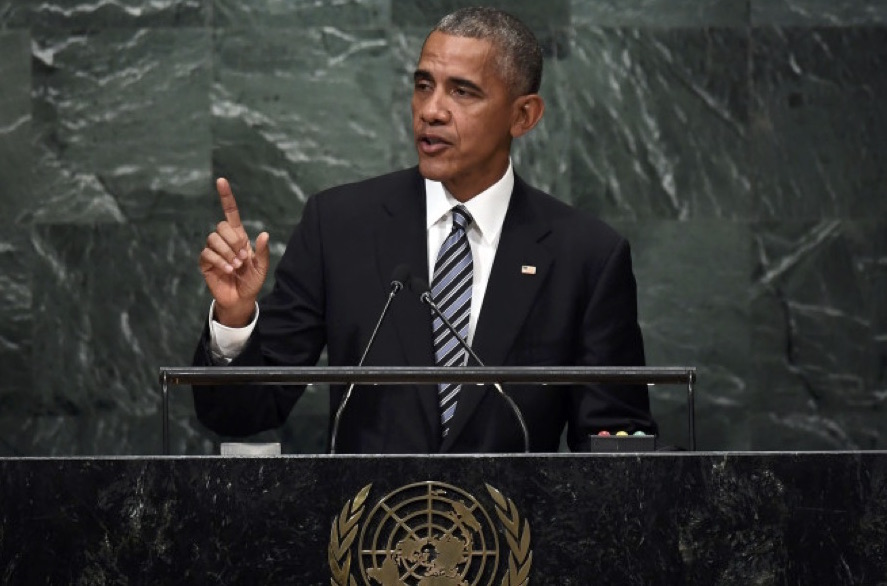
{"points": [[396, 287], [425, 297]]}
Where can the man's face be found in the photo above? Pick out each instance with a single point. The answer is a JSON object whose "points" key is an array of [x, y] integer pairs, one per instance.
{"points": [[462, 114]]}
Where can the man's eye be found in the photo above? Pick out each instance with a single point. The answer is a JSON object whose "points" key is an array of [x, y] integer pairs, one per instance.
{"points": [[421, 86]]}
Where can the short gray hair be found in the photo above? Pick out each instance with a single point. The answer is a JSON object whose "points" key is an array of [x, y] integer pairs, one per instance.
{"points": [[518, 54]]}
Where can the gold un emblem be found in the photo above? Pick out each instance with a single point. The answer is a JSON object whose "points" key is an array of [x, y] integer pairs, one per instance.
{"points": [[429, 534]]}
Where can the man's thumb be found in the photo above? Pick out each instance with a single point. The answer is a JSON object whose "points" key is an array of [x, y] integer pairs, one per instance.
{"points": [[263, 254]]}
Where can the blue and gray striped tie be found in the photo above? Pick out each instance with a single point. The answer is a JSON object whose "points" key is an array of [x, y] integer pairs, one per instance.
{"points": [[451, 290]]}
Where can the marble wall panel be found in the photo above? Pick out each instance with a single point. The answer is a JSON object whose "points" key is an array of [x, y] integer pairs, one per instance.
{"points": [[15, 190], [819, 128], [693, 307], [818, 341], [660, 123], [125, 114], [540, 16], [680, 122], [16, 318], [15, 125], [105, 432], [299, 110], [112, 303], [550, 21], [301, 13], [660, 13], [542, 157], [110, 109], [818, 12], [87, 14]]}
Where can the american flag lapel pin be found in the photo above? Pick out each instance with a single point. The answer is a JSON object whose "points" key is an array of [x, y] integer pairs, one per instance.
{"points": [[527, 270]]}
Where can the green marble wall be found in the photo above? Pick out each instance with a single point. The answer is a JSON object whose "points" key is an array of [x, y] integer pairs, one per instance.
{"points": [[740, 144]]}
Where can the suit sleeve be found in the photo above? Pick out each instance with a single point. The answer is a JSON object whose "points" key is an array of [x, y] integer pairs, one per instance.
{"points": [[290, 332], [611, 336]]}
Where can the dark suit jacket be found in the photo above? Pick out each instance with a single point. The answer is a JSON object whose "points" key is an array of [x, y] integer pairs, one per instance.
{"points": [[579, 308]]}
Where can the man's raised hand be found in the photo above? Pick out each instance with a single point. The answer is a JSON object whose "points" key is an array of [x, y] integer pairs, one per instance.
{"points": [[233, 271]]}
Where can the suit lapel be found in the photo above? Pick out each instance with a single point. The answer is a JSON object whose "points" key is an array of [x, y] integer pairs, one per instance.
{"points": [[402, 239], [509, 297]]}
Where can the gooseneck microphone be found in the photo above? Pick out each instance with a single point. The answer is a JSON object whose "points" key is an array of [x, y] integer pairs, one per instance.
{"points": [[420, 288], [398, 279]]}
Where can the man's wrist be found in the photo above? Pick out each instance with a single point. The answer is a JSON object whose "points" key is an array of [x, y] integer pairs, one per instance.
{"points": [[225, 342], [238, 317]]}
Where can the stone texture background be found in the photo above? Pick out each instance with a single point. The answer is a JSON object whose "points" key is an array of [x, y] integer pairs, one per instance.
{"points": [[741, 145]]}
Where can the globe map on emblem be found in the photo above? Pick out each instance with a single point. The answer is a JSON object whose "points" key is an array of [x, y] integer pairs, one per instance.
{"points": [[428, 534]]}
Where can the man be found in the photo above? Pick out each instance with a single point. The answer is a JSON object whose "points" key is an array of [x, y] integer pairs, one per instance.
{"points": [[527, 279]]}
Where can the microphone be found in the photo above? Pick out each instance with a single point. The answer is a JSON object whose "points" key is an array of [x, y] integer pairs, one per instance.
{"points": [[420, 288], [398, 278]]}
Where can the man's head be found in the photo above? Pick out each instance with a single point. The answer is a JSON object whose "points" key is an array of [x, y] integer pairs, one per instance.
{"points": [[518, 54], [474, 91]]}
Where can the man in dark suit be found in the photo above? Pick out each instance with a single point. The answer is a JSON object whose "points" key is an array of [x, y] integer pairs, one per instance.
{"points": [[537, 282]]}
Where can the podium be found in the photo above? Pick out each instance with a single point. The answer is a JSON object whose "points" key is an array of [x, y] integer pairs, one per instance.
{"points": [[661, 518], [502, 520]]}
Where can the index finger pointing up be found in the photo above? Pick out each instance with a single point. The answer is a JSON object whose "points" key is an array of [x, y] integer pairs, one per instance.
{"points": [[229, 205]]}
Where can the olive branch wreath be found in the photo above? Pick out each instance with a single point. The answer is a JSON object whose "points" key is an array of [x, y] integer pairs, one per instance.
{"points": [[521, 559], [342, 535], [345, 526]]}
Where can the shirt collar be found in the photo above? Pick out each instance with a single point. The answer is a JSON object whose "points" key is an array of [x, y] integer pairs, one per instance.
{"points": [[487, 208]]}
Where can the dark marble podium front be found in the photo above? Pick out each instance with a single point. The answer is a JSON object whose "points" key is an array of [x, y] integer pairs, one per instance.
{"points": [[662, 518]]}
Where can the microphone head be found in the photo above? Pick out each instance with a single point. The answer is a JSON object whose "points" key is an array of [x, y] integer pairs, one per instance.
{"points": [[400, 276]]}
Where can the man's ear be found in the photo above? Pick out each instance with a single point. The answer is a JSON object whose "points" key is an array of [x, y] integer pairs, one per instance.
{"points": [[528, 111]]}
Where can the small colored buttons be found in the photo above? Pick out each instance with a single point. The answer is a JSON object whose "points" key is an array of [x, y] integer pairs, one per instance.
{"points": [[621, 433], [604, 433]]}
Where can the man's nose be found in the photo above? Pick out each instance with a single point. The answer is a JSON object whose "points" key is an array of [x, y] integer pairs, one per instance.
{"points": [[435, 109]]}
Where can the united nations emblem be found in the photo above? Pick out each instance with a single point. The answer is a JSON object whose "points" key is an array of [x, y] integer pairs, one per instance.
{"points": [[428, 534]]}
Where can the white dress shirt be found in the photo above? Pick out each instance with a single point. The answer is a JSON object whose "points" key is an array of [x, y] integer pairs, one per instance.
{"points": [[487, 209]]}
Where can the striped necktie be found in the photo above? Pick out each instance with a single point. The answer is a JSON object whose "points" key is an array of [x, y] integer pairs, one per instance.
{"points": [[451, 291]]}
